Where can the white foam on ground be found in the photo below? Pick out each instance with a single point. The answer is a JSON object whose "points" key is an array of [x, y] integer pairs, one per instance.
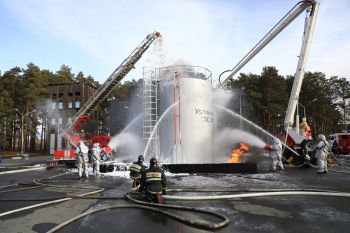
{"points": [[193, 180], [176, 174], [122, 174]]}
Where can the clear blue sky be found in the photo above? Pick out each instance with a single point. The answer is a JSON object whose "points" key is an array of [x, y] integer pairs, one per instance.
{"points": [[96, 36]]}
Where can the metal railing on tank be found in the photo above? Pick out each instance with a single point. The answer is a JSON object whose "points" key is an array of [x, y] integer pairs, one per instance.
{"points": [[186, 71]]}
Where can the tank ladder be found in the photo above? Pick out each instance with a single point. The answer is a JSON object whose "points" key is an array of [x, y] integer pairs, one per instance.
{"points": [[150, 109]]}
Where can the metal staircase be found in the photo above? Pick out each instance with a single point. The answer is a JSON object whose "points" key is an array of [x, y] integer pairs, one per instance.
{"points": [[150, 109]]}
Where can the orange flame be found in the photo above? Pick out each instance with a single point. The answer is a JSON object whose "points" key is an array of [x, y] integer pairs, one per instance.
{"points": [[236, 153]]}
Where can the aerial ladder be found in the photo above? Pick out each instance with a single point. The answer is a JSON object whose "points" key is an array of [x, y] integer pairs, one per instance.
{"points": [[106, 88], [311, 6]]}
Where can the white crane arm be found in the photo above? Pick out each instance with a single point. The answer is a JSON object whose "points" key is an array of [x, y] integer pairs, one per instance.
{"points": [[283, 23]]}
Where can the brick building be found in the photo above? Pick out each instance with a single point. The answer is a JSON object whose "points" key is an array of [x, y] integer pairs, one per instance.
{"points": [[66, 100]]}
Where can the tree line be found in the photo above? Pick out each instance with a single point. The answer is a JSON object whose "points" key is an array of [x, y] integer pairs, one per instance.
{"points": [[264, 101], [325, 102], [24, 92]]}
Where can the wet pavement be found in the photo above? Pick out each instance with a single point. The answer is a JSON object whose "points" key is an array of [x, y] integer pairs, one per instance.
{"points": [[254, 214]]}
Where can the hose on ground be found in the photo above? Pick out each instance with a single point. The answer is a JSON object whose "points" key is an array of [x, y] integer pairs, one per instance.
{"points": [[46, 203], [340, 163], [344, 172], [154, 207], [65, 196], [21, 189], [60, 186], [198, 224], [51, 200], [169, 191], [156, 210], [246, 190], [260, 194], [35, 185]]}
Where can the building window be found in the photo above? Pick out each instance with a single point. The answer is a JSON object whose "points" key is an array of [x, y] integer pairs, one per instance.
{"points": [[77, 104], [60, 120], [69, 121], [60, 105], [53, 121], [53, 105], [70, 104], [60, 96]]}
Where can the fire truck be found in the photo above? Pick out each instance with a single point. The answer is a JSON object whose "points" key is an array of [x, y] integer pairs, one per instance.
{"points": [[300, 142], [72, 133], [343, 141]]}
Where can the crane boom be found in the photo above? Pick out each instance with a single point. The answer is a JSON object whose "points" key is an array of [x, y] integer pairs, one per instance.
{"points": [[299, 74], [283, 23], [104, 90]]}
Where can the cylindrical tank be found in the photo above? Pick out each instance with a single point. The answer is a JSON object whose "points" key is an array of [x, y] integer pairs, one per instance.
{"points": [[186, 132]]}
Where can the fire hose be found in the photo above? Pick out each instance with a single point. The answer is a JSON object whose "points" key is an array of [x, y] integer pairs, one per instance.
{"points": [[140, 205], [46, 203], [200, 224], [341, 164], [260, 194], [154, 207]]}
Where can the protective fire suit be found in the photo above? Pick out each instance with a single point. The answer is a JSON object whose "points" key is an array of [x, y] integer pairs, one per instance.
{"points": [[136, 169], [153, 183], [96, 158], [276, 155], [304, 128], [82, 159], [321, 154]]}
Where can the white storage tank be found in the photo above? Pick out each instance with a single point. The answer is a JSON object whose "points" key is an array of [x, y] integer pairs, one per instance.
{"points": [[186, 132]]}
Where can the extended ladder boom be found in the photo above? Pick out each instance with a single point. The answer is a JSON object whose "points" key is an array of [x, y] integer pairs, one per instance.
{"points": [[299, 74], [104, 90], [284, 22]]}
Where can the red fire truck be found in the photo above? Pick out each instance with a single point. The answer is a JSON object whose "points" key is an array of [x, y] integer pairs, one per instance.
{"points": [[343, 140]]}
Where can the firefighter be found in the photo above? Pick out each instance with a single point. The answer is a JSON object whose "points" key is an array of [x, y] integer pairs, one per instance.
{"points": [[304, 128], [335, 148], [136, 170], [321, 154], [153, 182], [276, 154], [106, 153], [96, 158], [82, 159]]}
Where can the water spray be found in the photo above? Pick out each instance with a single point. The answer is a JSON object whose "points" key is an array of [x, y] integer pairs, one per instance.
{"points": [[132, 122], [253, 124], [156, 126]]}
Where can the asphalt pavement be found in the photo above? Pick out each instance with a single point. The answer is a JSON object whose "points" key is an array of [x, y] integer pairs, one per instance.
{"points": [[254, 214]]}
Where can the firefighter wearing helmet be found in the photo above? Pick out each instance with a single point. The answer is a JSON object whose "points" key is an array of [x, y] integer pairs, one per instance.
{"points": [[304, 128], [276, 154], [82, 159], [153, 182], [321, 154], [96, 158], [136, 170]]}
